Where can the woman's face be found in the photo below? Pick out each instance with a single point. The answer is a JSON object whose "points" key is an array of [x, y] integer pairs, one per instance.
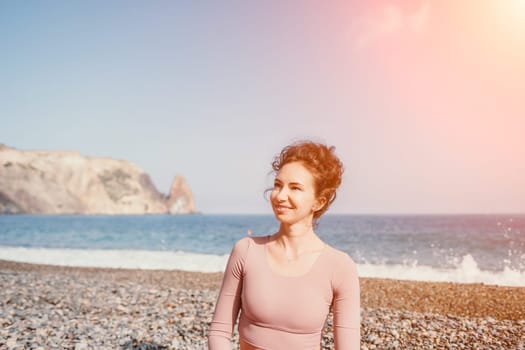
{"points": [[293, 195]]}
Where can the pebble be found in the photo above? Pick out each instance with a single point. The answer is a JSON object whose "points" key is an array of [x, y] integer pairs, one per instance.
{"points": [[45, 311]]}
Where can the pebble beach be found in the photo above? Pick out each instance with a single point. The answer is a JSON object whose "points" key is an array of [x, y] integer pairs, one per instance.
{"points": [[52, 307]]}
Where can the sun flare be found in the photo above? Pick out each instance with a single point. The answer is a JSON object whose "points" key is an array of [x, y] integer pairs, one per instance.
{"points": [[514, 13]]}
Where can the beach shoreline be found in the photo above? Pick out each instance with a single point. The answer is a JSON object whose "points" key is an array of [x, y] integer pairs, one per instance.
{"points": [[112, 308]]}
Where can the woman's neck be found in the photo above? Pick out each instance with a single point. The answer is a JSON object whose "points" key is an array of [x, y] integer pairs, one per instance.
{"points": [[297, 238], [296, 231]]}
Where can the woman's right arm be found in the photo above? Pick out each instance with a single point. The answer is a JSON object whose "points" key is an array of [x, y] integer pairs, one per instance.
{"points": [[229, 300]]}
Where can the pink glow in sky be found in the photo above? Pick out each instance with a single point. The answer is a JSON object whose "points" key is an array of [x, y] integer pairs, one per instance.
{"points": [[450, 117]]}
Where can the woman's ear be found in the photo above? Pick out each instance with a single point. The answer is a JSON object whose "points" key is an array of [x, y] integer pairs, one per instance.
{"points": [[319, 204]]}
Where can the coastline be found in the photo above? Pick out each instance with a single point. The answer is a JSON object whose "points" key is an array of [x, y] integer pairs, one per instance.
{"points": [[79, 308]]}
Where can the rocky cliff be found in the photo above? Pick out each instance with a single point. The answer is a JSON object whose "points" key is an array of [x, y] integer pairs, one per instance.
{"points": [[58, 182]]}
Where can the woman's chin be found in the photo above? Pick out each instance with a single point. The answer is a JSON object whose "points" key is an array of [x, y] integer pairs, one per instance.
{"points": [[281, 217]]}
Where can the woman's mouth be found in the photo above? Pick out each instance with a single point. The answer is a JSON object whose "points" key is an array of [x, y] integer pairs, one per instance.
{"points": [[281, 208]]}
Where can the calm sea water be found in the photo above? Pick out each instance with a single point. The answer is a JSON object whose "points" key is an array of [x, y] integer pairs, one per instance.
{"points": [[456, 248]]}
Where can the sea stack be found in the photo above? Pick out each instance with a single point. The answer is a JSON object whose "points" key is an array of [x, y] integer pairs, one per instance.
{"points": [[180, 199]]}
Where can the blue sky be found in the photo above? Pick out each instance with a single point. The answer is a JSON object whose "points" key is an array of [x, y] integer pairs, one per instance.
{"points": [[423, 106]]}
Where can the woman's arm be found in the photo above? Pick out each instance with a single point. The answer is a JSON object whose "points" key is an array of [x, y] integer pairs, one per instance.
{"points": [[229, 300], [346, 307]]}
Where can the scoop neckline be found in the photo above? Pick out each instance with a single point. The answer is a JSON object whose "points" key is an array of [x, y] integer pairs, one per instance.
{"points": [[308, 272]]}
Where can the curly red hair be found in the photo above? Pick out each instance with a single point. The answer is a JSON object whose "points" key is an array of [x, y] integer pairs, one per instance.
{"points": [[321, 161]]}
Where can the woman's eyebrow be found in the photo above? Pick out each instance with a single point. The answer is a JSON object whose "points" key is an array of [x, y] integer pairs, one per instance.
{"points": [[293, 183]]}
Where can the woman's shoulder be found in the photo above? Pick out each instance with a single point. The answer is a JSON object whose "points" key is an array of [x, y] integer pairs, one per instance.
{"points": [[245, 243], [339, 258], [343, 269], [246, 249]]}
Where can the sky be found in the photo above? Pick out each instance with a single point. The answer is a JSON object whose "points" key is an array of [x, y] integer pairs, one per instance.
{"points": [[424, 100]]}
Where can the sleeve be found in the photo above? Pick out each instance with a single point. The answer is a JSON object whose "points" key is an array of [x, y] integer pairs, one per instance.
{"points": [[229, 300], [346, 306]]}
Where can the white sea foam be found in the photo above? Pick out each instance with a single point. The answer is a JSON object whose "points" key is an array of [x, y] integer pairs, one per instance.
{"points": [[467, 271], [127, 259]]}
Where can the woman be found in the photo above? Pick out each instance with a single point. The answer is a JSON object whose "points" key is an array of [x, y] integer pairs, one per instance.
{"points": [[285, 284]]}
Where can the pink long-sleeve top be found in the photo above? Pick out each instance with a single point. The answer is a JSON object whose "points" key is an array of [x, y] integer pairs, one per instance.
{"points": [[286, 312]]}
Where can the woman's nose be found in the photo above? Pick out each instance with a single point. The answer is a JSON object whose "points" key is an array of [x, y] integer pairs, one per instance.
{"points": [[282, 194]]}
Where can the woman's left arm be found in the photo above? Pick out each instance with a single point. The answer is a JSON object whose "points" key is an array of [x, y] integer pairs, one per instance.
{"points": [[346, 307]]}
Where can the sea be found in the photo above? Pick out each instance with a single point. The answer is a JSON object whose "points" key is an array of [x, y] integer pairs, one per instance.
{"points": [[487, 249]]}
